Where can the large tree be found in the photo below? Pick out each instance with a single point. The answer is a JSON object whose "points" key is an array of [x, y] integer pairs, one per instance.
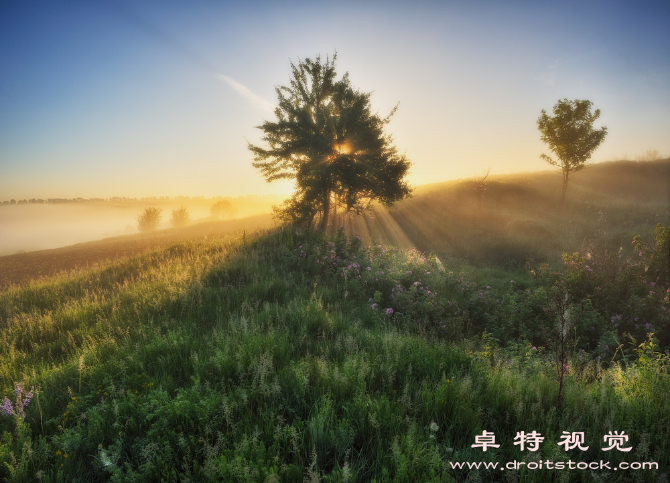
{"points": [[569, 133], [327, 139]]}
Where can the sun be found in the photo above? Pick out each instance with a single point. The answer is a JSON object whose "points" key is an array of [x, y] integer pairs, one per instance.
{"points": [[343, 148]]}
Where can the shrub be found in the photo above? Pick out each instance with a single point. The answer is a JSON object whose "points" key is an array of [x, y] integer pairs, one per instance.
{"points": [[223, 209], [180, 217], [149, 219]]}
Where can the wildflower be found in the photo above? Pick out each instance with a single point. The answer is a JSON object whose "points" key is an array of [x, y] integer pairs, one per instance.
{"points": [[7, 407], [534, 348], [389, 311], [511, 281], [587, 267], [374, 306], [648, 326]]}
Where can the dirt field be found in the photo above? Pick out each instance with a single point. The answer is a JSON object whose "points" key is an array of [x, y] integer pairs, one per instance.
{"points": [[20, 268]]}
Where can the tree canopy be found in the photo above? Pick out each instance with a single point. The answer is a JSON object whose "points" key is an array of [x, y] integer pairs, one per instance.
{"points": [[149, 219], [223, 209], [569, 133], [327, 139]]}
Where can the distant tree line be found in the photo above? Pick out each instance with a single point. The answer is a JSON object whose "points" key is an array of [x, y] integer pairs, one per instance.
{"points": [[117, 199]]}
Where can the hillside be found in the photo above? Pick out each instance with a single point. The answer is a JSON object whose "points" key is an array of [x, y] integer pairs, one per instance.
{"points": [[23, 267], [518, 218], [287, 357]]}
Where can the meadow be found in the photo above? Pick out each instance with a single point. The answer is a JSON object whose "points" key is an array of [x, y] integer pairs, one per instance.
{"points": [[289, 355]]}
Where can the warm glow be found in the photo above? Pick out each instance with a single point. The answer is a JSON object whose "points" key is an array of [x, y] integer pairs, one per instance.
{"points": [[343, 148]]}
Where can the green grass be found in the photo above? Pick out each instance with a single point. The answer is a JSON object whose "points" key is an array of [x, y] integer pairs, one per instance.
{"points": [[263, 360]]}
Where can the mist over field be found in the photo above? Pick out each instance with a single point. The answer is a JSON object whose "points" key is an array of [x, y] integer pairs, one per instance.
{"points": [[28, 227]]}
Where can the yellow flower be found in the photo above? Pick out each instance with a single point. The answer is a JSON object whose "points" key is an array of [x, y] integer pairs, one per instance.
{"points": [[58, 453], [66, 455]]}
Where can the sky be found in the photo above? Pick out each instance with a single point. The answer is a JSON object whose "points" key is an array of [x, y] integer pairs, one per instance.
{"points": [[160, 98]]}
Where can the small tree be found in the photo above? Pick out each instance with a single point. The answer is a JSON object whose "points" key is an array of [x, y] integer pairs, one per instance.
{"points": [[223, 209], [480, 185], [180, 217], [149, 219], [559, 335], [570, 135], [329, 141]]}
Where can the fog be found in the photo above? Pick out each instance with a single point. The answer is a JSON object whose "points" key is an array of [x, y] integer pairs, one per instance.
{"points": [[38, 226]]}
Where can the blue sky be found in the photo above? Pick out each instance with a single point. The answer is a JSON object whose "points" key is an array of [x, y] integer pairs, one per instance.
{"points": [[116, 98]]}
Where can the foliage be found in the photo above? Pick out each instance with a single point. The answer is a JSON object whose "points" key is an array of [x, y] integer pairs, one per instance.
{"points": [[328, 140], [149, 219], [569, 133], [223, 209], [627, 295], [180, 217]]}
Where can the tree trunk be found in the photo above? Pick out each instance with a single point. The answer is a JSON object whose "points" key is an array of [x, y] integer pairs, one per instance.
{"points": [[326, 211], [565, 188]]}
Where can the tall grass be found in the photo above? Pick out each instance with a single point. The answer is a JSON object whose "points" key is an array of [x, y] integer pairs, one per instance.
{"points": [[264, 360]]}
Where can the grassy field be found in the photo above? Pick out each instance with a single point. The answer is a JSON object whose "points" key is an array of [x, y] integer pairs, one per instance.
{"points": [[21, 268], [290, 356]]}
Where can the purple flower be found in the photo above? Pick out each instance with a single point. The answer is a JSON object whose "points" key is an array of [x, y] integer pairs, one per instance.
{"points": [[587, 267], [511, 281], [374, 306], [389, 311], [7, 407], [648, 326]]}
